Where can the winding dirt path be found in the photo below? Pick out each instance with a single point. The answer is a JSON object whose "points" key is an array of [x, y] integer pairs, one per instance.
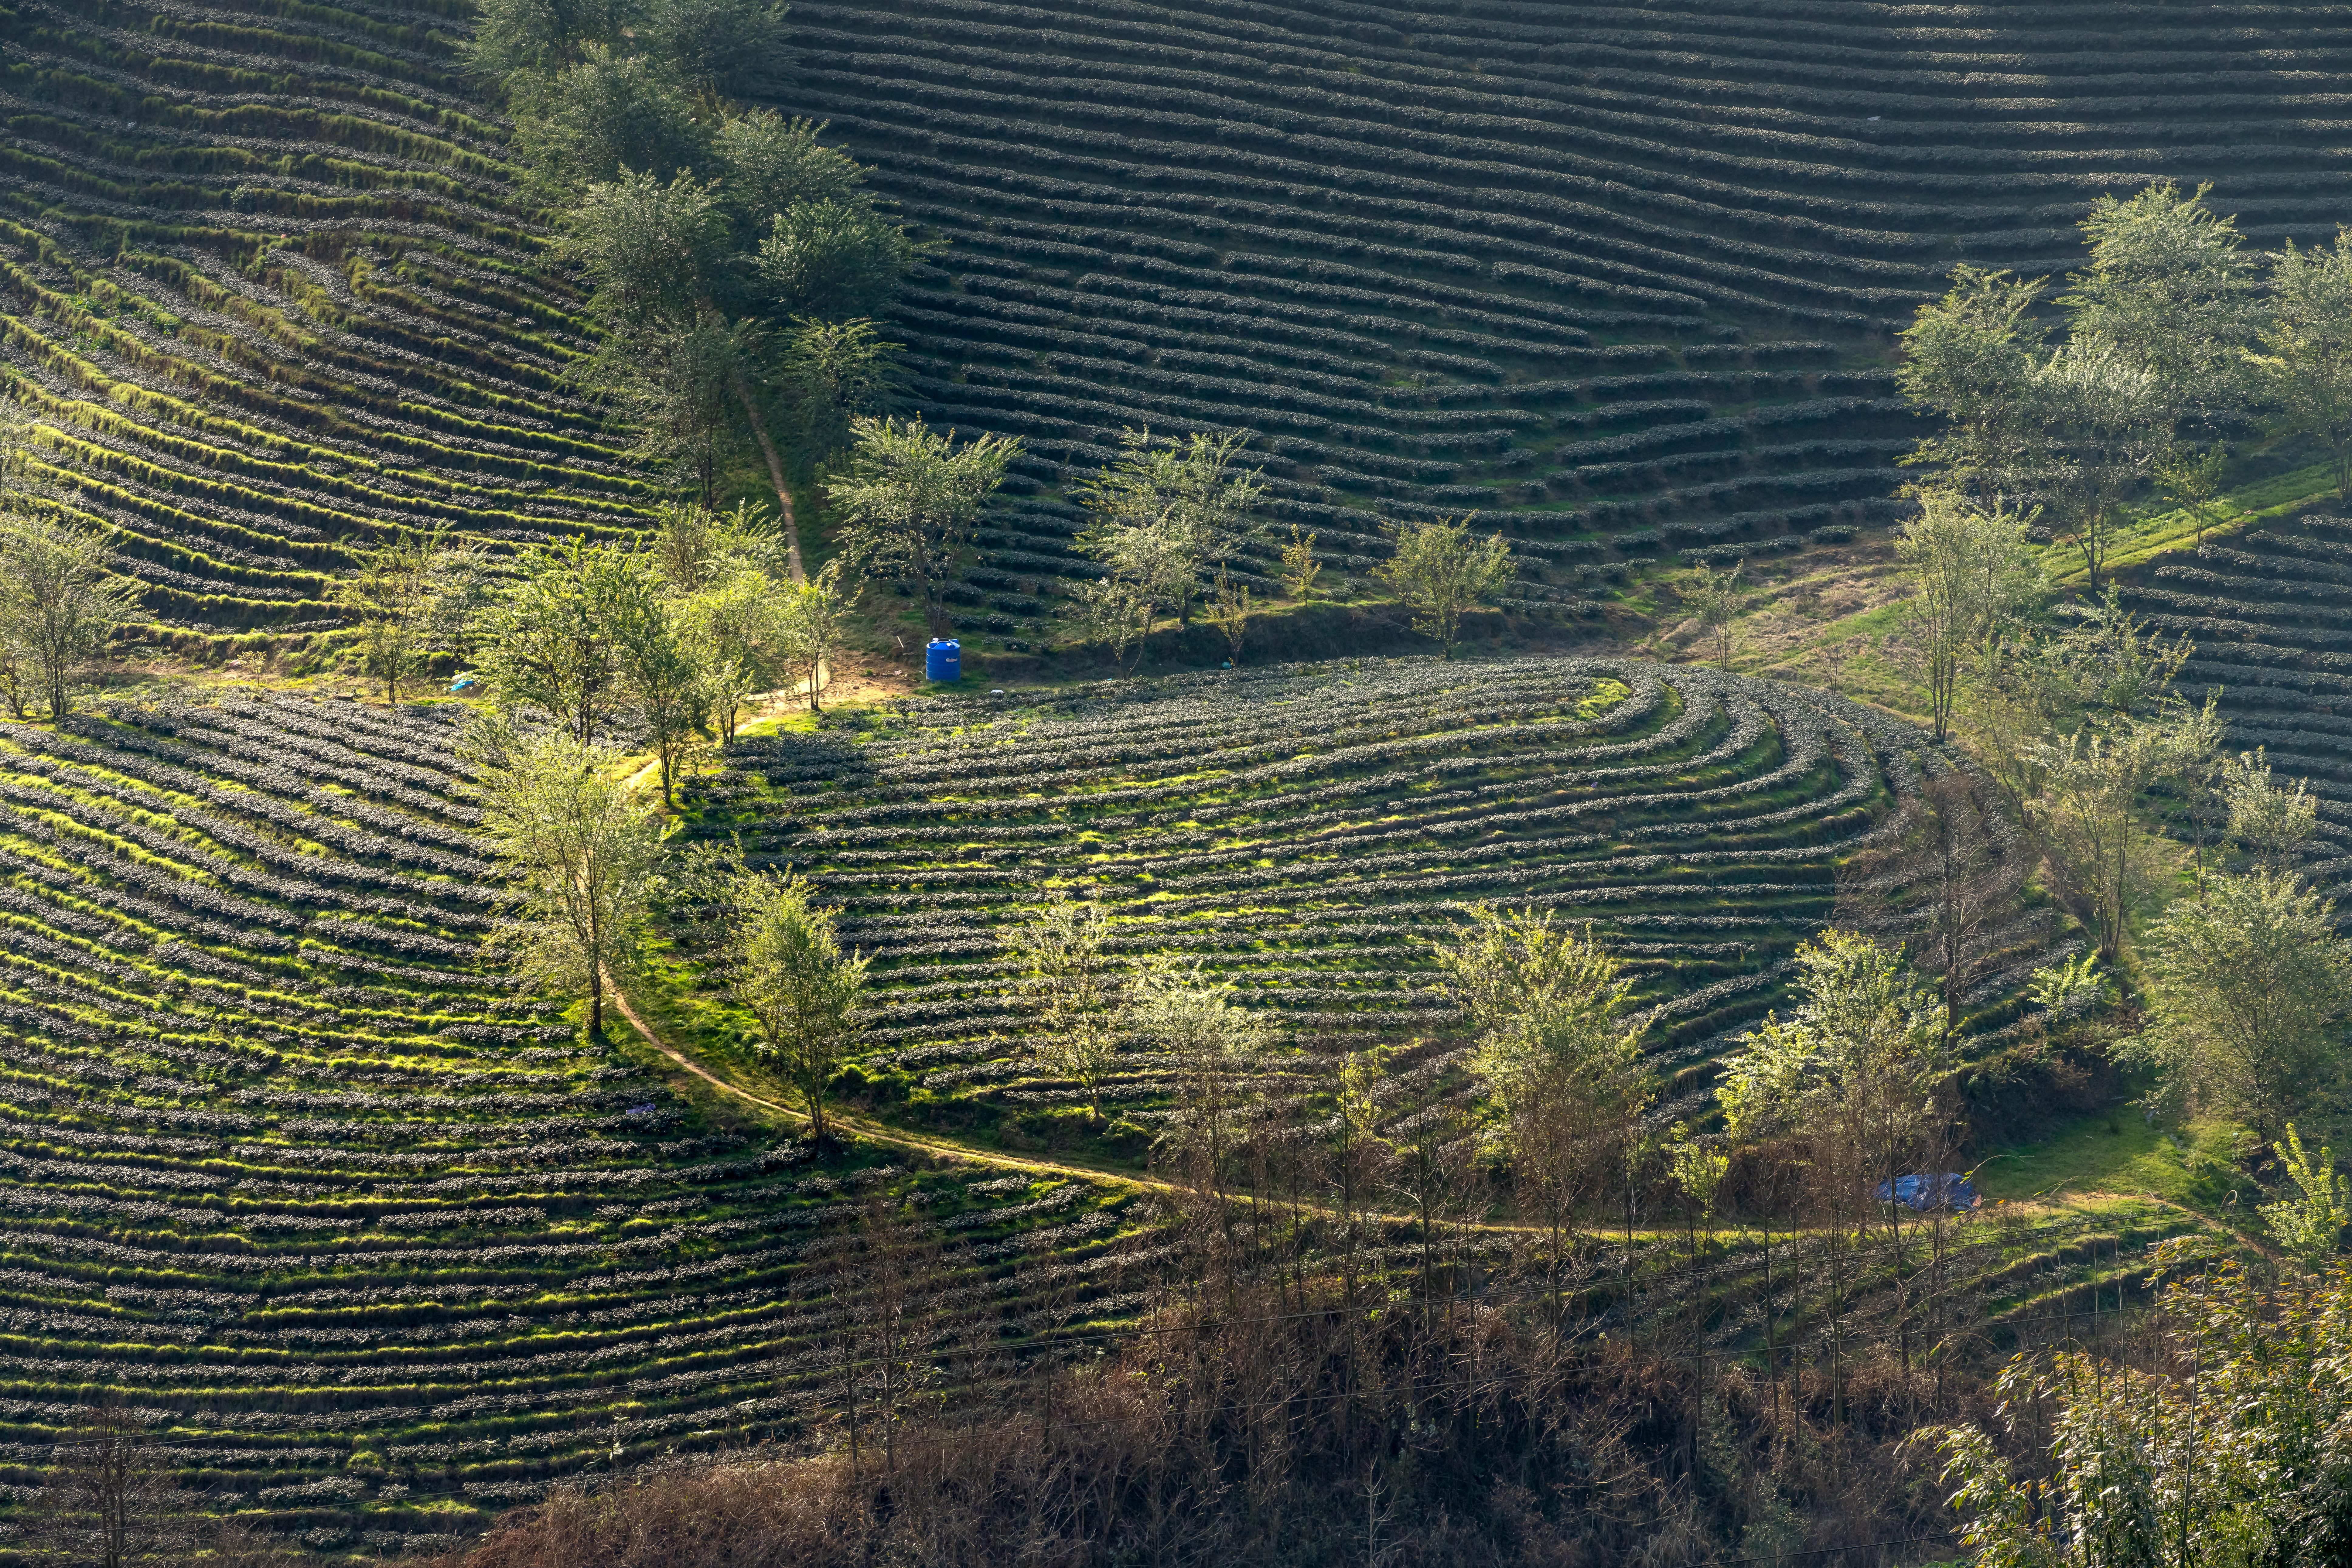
{"points": [[881, 1133]]}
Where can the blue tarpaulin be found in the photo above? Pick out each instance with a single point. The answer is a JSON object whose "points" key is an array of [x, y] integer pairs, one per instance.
{"points": [[1949, 1190]]}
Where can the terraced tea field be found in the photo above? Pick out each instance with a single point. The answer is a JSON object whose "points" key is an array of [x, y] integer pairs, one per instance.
{"points": [[265, 270], [1304, 830], [2267, 610], [1618, 280], [375, 1245], [1621, 279]]}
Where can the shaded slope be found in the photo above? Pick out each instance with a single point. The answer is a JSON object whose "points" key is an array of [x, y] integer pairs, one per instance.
{"points": [[1621, 279], [2270, 611]]}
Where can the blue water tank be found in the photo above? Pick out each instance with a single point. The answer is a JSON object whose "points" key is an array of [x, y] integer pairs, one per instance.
{"points": [[943, 659]]}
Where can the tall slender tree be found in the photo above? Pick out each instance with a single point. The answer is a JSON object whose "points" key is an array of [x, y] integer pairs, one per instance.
{"points": [[1075, 991], [579, 849], [806, 997], [1971, 572]]}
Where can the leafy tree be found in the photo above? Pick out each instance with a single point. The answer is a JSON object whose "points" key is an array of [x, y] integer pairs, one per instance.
{"points": [[512, 37], [1971, 572], [833, 372], [659, 258], [1299, 567], [806, 999], [1439, 571], [705, 47], [58, 605], [2104, 422], [1210, 1041], [1077, 994], [1163, 514], [1850, 1068], [2310, 1223], [665, 678], [2109, 667], [689, 545], [1555, 1054], [2089, 817], [1114, 612], [911, 499], [1946, 885], [2078, 728], [654, 252], [1229, 609], [604, 115], [1969, 358], [813, 612], [2192, 479], [1714, 599], [409, 594], [835, 259], [720, 46], [2071, 987], [651, 249], [740, 621], [624, 101], [769, 164], [1850, 1072], [579, 849], [2306, 364], [2227, 1445], [552, 638], [1547, 1002], [18, 490], [2268, 818], [677, 392], [2170, 292], [2253, 987]]}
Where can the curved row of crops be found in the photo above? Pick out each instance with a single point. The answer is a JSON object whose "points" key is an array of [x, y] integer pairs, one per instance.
{"points": [[2266, 609], [372, 1242], [1618, 278], [1306, 830], [263, 272]]}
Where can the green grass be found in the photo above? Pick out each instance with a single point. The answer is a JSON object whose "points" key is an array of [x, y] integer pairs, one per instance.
{"points": [[2121, 1154]]}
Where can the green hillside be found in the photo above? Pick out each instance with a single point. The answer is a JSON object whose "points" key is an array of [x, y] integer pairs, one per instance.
{"points": [[1307, 831], [377, 1246], [1621, 280], [266, 274]]}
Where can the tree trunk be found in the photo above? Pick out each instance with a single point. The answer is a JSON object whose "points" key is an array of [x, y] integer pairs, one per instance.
{"points": [[775, 470]]}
